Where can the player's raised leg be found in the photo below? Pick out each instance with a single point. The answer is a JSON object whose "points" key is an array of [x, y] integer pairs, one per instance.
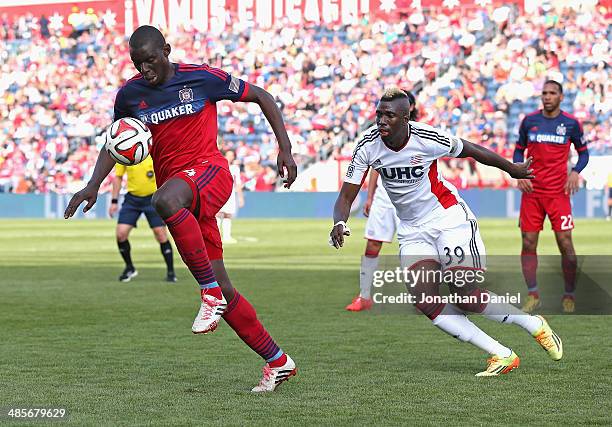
{"points": [[242, 318], [508, 314], [172, 201], [491, 307], [454, 322]]}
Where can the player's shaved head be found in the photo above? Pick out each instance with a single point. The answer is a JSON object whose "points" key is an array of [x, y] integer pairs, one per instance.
{"points": [[149, 52], [147, 35]]}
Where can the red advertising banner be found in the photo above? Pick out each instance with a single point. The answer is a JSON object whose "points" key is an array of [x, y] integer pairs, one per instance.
{"points": [[216, 15], [58, 11]]}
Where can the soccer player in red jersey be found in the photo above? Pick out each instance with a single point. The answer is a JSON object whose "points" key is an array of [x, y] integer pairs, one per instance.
{"points": [[546, 134], [178, 104]]}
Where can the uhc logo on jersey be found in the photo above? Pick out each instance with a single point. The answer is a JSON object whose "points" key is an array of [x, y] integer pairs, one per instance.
{"points": [[406, 175]]}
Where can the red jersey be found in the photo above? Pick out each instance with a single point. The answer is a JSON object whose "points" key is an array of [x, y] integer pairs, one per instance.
{"points": [[181, 114], [548, 141]]}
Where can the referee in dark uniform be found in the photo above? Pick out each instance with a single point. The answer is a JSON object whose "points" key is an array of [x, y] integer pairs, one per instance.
{"points": [[137, 201]]}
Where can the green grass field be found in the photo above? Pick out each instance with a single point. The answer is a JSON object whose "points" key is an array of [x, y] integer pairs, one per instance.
{"points": [[123, 354]]}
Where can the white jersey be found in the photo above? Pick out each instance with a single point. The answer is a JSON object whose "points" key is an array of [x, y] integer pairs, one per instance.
{"points": [[230, 206], [235, 171], [410, 174], [381, 197]]}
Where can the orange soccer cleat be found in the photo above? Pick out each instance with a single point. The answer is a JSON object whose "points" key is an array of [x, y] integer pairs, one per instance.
{"points": [[360, 304], [497, 365]]}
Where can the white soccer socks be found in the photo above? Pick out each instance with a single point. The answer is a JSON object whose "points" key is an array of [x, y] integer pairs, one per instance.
{"points": [[366, 275], [455, 323]]}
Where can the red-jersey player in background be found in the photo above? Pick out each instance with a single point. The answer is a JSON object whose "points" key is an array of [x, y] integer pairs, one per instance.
{"points": [[178, 104], [546, 134]]}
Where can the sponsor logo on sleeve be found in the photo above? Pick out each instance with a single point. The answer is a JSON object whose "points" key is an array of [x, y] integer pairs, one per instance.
{"points": [[234, 85]]}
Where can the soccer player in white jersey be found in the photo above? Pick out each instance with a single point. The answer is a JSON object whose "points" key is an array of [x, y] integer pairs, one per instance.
{"points": [[380, 228], [437, 231], [227, 212]]}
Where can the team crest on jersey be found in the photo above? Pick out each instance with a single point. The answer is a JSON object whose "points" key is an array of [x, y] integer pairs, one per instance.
{"points": [[186, 95], [415, 160], [561, 129]]}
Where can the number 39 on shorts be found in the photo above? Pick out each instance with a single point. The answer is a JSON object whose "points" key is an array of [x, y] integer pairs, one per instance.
{"points": [[454, 256]]}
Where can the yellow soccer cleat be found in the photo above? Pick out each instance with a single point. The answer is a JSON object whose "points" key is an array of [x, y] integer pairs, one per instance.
{"points": [[549, 341], [500, 365], [569, 305], [531, 304]]}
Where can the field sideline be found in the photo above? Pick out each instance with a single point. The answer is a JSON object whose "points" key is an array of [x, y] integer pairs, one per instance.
{"points": [[114, 353]]}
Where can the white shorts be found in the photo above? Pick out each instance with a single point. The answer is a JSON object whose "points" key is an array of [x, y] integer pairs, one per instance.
{"points": [[452, 240], [382, 223], [229, 207]]}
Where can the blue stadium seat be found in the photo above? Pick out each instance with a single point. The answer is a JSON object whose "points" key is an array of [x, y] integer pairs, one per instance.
{"points": [[515, 108], [252, 138]]}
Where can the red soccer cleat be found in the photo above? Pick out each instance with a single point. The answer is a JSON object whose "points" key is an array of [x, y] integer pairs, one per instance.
{"points": [[360, 304]]}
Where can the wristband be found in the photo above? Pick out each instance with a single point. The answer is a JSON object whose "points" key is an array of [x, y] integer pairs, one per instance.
{"points": [[345, 228], [114, 201]]}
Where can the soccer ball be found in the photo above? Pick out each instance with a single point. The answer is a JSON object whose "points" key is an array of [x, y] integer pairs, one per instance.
{"points": [[128, 141]]}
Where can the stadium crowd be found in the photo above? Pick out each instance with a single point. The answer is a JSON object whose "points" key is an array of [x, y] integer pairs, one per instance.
{"points": [[475, 72]]}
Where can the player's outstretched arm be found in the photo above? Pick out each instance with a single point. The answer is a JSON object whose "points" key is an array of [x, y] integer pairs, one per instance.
{"points": [[90, 193], [490, 158], [285, 163], [342, 209]]}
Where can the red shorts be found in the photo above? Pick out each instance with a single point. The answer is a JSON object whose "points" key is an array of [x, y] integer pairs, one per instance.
{"points": [[534, 209], [211, 186]]}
